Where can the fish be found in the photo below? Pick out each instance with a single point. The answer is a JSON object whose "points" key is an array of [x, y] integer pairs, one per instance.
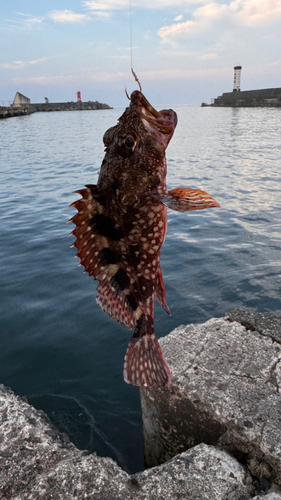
{"points": [[121, 224]]}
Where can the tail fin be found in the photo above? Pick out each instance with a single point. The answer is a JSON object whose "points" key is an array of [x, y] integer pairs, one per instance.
{"points": [[144, 361]]}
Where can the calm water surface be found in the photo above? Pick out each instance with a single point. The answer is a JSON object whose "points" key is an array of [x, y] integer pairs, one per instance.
{"points": [[56, 346]]}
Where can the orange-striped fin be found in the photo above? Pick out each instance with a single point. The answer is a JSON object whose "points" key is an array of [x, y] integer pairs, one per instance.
{"points": [[187, 199]]}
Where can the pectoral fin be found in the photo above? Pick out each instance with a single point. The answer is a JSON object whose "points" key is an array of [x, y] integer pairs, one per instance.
{"points": [[187, 199]]}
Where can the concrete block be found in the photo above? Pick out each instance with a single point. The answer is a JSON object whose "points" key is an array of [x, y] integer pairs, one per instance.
{"points": [[201, 473], [38, 462], [225, 392]]}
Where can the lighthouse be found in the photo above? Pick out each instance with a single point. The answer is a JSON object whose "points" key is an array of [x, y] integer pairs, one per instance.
{"points": [[237, 78]]}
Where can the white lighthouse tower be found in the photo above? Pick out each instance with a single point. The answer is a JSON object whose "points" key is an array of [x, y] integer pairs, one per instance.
{"points": [[237, 78]]}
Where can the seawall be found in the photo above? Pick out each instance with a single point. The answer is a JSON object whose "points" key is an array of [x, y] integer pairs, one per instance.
{"points": [[215, 433], [249, 98], [11, 111], [68, 106]]}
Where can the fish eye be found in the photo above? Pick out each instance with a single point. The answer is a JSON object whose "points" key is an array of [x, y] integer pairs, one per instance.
{"points": [[129, 142], [109, 135]]}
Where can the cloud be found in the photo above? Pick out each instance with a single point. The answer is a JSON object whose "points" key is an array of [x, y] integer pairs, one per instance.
{"points": [[108, 5], [33, 21], [29, 22], [14, 65], [212, 15], [37, 61], [24, 64], [148, 36], [183, 74], [63, 80], [67, 16], [178, 18], [100, 5], [208, 57], [26, 22], [257, 12], [168, 32]]}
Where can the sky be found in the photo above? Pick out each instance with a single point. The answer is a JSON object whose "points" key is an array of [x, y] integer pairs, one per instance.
{"points": [[183, 51]]}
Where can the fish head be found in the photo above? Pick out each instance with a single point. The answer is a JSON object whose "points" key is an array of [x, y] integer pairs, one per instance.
{"points": [[159, 124], [138, 143]]}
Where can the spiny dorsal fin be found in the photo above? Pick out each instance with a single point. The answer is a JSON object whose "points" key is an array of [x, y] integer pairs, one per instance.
{"points": [[99, 260]]}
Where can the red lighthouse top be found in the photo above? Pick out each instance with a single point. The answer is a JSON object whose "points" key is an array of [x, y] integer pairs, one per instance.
{"points": [[78, 96]]}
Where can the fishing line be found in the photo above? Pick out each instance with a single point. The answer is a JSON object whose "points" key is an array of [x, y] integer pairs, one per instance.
{"points": [[131, 47], [131, 38]]}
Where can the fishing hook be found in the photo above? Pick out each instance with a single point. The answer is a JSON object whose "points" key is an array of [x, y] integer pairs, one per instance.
{"points": [[138, 82], [136, 78]]}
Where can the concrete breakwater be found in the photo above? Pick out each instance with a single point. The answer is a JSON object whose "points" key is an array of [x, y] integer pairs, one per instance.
{"points": [[263, 98], [11, 111], [215, 433], [68, 106]]}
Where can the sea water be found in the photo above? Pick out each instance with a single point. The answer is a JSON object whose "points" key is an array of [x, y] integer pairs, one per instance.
{"points": [[56, 346]]}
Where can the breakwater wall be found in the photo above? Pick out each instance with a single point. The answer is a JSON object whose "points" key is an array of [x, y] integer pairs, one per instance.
{"points": [[262, 98], [9, 111], [213, 435], [68, 106]]}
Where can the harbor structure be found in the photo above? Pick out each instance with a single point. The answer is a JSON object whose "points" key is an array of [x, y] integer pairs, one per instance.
{"points": [[22, 105], [20, 101], [261, 98], [67, 106], [237, 78], [19, 107]]}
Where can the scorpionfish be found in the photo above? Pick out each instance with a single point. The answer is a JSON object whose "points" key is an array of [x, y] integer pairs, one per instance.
{"points": [[121, 225]]}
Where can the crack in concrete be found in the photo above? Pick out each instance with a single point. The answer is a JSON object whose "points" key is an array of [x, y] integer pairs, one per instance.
{"points": [[272, 379]]}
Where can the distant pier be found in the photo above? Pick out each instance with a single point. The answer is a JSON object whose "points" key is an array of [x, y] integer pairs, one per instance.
{"points": [[68, 106], [22, 106], [9, 111], [263, 98]]}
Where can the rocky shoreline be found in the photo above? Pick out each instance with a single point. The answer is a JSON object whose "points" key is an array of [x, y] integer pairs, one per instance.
{"points": [[224, 408]]}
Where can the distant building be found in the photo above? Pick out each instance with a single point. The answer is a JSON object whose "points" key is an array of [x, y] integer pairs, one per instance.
{"points": [[20, 101], [260, 98], [46, 100]]}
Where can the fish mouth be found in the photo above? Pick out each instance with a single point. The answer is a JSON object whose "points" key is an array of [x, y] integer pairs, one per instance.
{"points": [[160, 124]]}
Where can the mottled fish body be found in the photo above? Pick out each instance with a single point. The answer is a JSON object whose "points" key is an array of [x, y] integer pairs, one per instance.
{"points": [[121, 225]]}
